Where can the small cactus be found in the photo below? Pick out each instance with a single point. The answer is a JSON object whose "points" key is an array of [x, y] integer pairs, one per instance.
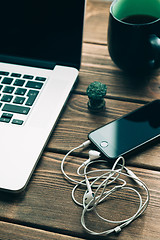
{"points": [[96, 92]]}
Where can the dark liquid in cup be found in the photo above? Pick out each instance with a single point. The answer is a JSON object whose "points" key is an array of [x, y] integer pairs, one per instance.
{"points": [[139, 19]]}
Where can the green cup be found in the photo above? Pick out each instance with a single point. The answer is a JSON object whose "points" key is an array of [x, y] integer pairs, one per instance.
{"points": [[134, 35]]}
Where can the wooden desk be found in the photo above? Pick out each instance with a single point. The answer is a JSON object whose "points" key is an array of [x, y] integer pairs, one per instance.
{"points": [[45, 209]]}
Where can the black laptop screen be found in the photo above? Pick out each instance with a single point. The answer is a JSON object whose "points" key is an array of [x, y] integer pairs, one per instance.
{"points": [[49, 30]]}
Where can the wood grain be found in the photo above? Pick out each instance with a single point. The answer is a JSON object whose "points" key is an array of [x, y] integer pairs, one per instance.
{"points": [[73, 131], [96, 22], [47, 205], [98, 66], [15, 231]]}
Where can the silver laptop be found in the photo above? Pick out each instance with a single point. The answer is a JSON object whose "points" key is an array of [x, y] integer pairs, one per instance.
{"points": [[40, 54]]}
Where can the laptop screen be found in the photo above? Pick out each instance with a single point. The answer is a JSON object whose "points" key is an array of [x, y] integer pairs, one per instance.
{"points": [[47, 30]]}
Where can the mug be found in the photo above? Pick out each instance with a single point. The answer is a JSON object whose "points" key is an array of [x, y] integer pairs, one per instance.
{"points": [[134, 35]]}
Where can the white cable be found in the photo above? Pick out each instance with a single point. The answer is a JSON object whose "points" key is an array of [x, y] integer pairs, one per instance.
{"points": [[83, 145], [99, 183]]}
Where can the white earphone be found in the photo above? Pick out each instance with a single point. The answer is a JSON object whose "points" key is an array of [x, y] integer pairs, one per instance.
{"points": [[97, 188]]}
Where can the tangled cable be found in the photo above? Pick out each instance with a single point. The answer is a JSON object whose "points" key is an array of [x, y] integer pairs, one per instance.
{"points": [[100, 182]]}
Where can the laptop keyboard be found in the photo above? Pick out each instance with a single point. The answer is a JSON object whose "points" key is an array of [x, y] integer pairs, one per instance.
{"points": [[18, 93]]}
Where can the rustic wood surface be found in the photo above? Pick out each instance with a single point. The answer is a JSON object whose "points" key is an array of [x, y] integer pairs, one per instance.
{"points": [[45, 209]]}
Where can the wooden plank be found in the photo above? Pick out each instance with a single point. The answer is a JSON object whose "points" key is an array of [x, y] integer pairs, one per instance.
{"points": [[70, 132], [19, 232], [98, 66], [96, 21], [46, 204]]}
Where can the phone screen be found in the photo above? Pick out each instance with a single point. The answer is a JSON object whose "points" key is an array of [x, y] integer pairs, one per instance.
{"points": [[129, 132]]}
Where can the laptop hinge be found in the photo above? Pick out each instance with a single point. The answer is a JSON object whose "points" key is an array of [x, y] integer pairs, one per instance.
{"points": [[27, 62]]}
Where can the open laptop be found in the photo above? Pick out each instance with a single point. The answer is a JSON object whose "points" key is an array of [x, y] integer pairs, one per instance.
{"points": [[40, 54]]}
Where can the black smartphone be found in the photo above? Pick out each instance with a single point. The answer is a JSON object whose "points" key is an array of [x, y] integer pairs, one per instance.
{"points": [[129, 132]]}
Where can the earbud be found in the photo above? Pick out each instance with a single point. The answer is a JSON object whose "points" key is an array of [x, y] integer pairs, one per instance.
{"points": [[88, 198], [94, 154]]}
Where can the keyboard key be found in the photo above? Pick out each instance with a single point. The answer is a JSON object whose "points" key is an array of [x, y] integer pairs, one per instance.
{"points": [[32, 94], [16, 75], [7, 80], [19, 82], [8, 89], [20, 91], [4, 73], [7, 115], [17, 121], [19, 100], [16, 109], [28, 76], [6, 98], [1, 87], [6, 120], [42, 79], [35, 85]]}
